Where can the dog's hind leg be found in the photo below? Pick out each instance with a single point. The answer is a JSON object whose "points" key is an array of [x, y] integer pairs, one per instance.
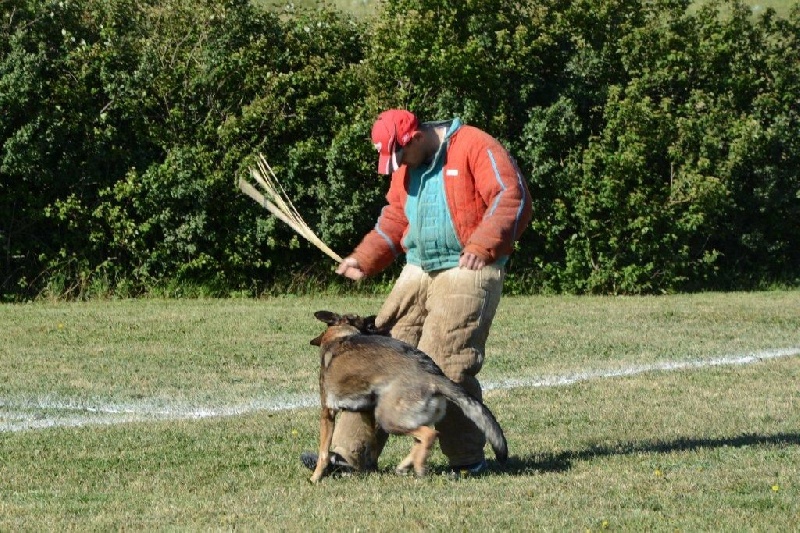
{"points": [[424, 438], [408, 462]]}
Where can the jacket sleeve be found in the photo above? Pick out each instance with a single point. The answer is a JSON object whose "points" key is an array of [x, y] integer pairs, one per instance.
{"points": [[505, 193], [381, 246]]}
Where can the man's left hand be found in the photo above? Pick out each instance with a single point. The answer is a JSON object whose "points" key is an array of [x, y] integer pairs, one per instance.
{"points": [[471, 261]]}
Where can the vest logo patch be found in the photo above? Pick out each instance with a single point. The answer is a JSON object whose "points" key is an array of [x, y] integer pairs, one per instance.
{"points": [[451, 172]]}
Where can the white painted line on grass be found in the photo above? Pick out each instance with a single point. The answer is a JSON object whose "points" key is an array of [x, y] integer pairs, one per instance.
{"points": [[42, 413], [666, 366], [49, 412]]}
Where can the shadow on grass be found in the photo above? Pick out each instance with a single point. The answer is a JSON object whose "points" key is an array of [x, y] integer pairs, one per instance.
{"points": [[563, 461]]}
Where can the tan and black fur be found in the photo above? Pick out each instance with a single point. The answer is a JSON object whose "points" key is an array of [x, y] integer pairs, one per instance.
{"points": [[363, 370]]}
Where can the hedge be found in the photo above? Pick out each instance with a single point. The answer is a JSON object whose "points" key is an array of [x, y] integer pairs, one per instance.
{"points": [[659, 139]]}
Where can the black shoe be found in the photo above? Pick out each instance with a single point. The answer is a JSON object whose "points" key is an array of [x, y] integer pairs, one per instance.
{"points": [[337, 464], [473, 470]]}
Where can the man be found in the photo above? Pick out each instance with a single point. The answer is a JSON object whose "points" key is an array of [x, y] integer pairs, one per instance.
{"points": [[456, 204]]}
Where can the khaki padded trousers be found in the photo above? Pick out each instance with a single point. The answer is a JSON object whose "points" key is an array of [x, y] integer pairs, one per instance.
{"points": [[446, 314]]}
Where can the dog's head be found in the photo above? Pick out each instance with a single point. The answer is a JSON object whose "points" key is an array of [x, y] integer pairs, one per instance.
{"points": [[344, 326]]}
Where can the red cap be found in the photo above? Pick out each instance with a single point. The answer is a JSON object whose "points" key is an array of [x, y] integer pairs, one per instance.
{"points": [[393, 129]]}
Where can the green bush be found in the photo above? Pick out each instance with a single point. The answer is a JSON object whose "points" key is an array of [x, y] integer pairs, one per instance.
{"points": [[690, 173], [658, 193], [659, 142]]}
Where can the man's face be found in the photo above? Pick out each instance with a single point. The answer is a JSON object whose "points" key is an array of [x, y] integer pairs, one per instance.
{"points": [[413, 153]]}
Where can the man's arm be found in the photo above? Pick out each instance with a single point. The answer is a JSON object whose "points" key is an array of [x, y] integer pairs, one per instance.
{"points": [[383, 244], [505, 193]]}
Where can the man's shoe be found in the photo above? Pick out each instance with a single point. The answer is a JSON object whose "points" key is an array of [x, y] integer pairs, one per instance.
{"points": [[337, 464], [475, 469]]}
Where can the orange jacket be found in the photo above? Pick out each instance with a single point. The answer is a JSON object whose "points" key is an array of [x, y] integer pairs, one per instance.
{"points": [[487, 197]]}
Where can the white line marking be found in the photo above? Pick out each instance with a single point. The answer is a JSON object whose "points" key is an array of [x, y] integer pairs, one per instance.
{"points": [[42, 413], [49, 412], [667, 366]]}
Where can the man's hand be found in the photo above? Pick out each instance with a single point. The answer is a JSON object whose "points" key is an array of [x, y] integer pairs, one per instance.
{"points": [[349, 268], [471, 261]]}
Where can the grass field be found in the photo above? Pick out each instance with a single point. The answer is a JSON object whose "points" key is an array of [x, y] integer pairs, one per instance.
{"points": [[657, 413]]}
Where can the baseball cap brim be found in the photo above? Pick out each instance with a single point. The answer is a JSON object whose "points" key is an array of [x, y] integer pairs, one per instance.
{"points": [[389, 162], [385, 163]]}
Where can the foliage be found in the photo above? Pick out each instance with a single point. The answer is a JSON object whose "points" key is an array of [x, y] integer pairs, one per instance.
{"points": [[659, 142]]}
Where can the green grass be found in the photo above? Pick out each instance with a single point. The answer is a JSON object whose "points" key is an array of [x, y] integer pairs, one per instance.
{"points": [[704, 448]]}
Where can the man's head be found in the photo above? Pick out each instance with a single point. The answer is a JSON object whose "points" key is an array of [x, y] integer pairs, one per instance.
{"points": [[392, 133]]}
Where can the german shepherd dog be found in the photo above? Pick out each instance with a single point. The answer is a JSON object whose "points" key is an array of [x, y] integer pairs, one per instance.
{"points": [[362, 369]]}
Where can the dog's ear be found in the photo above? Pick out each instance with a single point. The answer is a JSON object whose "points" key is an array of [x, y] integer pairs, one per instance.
{"points": [[317, 341], [372, 329], [352, 320], [328, 317], [369, 324], [356, 321]]}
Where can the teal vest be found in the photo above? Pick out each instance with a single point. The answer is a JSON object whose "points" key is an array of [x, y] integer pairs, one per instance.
{"points": [[431, 242]]}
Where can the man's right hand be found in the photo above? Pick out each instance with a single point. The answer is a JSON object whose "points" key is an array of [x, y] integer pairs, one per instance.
{"points": [[349, 268]]}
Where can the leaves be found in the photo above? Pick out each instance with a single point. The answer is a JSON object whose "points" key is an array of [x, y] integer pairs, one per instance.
{"points": [[659, 143]]}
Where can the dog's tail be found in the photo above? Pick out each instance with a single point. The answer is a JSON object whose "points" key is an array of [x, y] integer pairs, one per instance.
{"points": [[476, 411]]}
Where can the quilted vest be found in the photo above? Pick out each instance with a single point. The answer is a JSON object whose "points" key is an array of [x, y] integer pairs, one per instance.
{"points": [[431, 242]]}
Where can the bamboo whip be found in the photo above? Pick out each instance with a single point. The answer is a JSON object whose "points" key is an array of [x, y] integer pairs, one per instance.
{"points": [[277, 203]]}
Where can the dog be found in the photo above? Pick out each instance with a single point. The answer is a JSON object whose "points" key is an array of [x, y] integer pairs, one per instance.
{"points": [[363, 369]]}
